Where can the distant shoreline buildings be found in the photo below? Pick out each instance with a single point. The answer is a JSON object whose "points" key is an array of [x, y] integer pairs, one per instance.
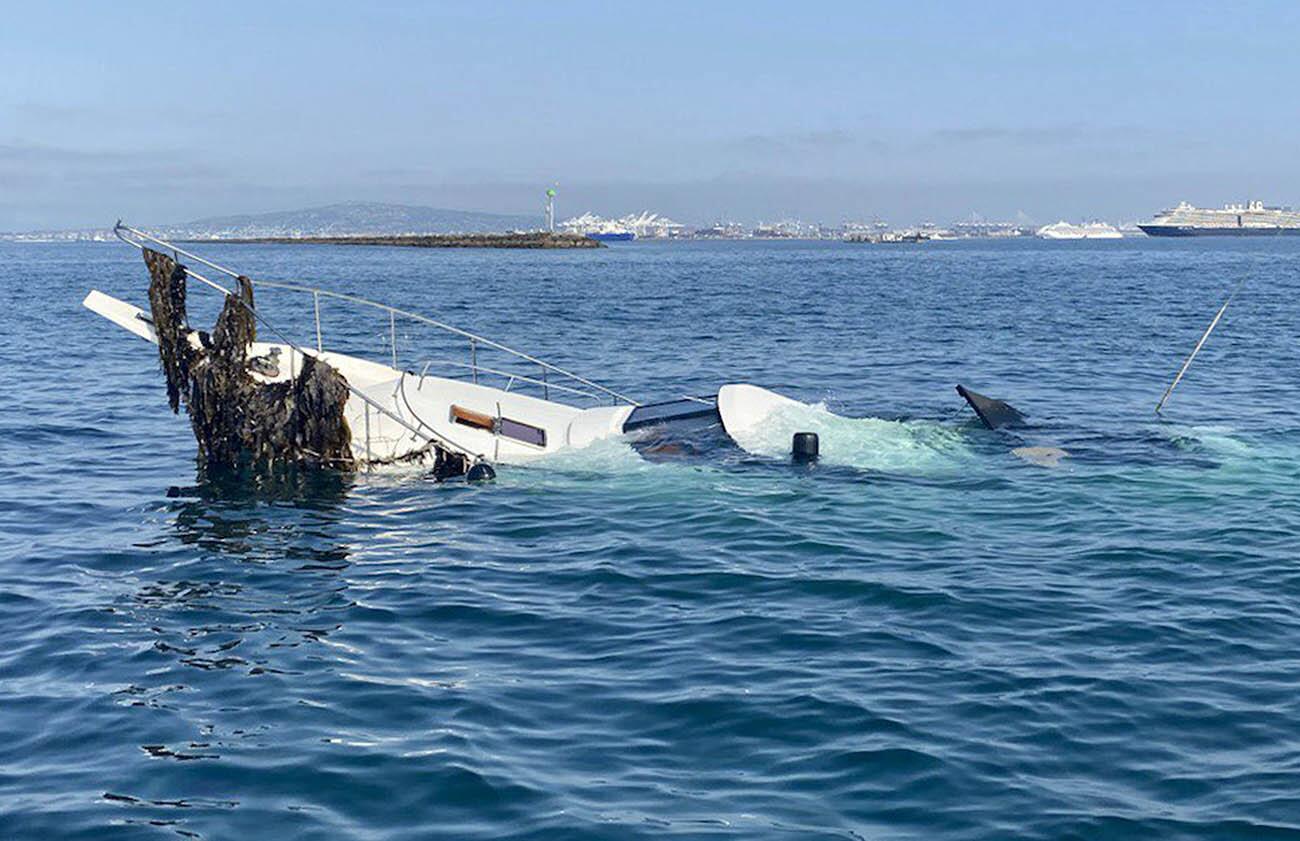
{"points": [[655, 227], [372, 219]]}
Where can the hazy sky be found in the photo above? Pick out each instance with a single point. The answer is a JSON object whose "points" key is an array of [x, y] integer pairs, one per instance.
{"points": [[163, 112]]}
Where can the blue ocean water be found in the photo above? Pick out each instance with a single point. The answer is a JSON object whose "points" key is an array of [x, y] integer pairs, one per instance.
{"points": [[923, 636]]}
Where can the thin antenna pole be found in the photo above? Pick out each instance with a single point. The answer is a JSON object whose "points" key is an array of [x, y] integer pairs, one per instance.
{"points": [[1208, 330], [392, 333]]}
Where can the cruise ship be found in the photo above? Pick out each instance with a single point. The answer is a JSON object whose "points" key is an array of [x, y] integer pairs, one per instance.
{"points": [[1089, 230], [1250, 219]]}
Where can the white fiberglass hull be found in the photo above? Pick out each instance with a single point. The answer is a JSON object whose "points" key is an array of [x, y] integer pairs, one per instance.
{"points": [[389, 405]]}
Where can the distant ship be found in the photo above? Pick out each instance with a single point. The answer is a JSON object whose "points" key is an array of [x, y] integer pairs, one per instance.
{"points": [[1090, 230], [645, 225], [1251, 219]]}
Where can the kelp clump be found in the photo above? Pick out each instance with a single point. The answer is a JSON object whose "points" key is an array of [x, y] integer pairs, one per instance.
{"points": [[237, 420]]}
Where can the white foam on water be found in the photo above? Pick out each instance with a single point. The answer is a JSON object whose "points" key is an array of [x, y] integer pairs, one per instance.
{"points": [[613, 466], [1240, 457], [909, 447], [605, 456]]}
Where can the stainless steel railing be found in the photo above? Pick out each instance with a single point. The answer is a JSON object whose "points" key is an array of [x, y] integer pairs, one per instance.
{"points": [[569, 383]]}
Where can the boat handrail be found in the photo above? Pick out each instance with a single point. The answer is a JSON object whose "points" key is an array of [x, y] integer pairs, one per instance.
{"points": [[120, 230], [479, 340], [511, 375]]}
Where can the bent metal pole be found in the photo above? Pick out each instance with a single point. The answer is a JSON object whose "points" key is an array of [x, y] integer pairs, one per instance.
{"points": [[1199, 344]]}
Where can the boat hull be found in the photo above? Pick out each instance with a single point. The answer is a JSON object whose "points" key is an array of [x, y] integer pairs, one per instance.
{"points": [[1208, 231], [625, 236], [393, 415]]}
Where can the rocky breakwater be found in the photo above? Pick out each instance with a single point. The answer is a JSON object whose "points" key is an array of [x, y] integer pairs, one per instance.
{"points": [[531, 239]]}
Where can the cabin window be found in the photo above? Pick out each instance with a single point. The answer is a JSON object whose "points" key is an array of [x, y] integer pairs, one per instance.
{"points": [[513, 429], [523, 432]]}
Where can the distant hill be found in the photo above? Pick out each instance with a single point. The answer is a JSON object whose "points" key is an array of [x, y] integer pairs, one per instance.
{"points": [[329, 220], [352, 218]]}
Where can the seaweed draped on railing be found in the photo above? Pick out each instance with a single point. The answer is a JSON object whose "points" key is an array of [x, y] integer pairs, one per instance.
{"points": [[236, 419], [448, 460]]}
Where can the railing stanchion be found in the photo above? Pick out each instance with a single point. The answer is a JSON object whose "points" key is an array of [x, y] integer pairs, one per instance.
{"points": [[368, 459], [473, 359], [546, 389], [320, 345]]}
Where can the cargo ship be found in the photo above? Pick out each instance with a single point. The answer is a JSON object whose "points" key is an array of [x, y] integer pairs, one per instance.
{"points": [[605, 230], [644, 225], [1250, 219]]}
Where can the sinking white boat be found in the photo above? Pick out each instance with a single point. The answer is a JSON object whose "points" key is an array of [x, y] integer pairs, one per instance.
{"points": [[479, 411], [509, 412]]}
